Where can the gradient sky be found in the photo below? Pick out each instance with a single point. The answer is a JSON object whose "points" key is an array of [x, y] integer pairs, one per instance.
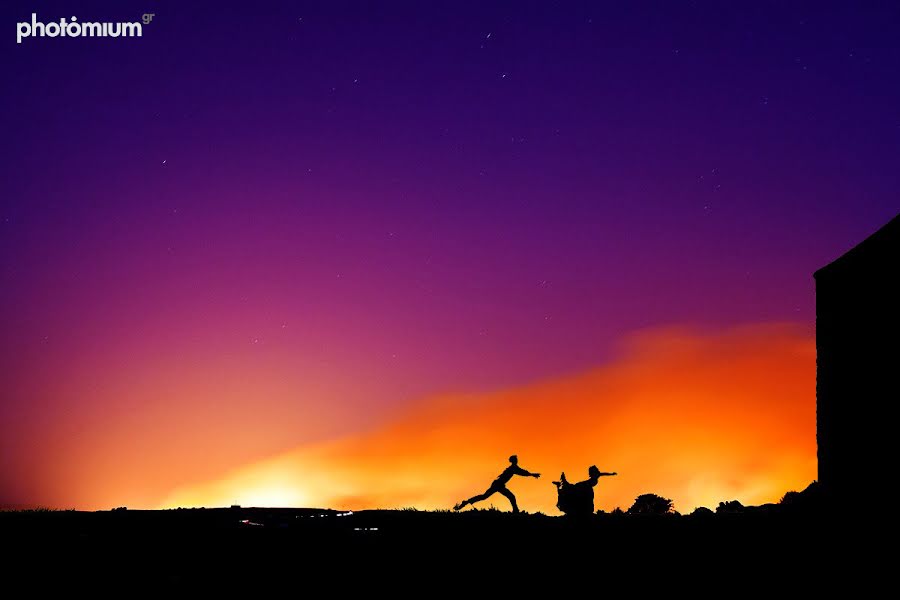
{"points": [[255, 230]]}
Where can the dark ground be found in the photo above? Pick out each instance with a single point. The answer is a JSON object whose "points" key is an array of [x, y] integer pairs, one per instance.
{"points": [[433, 553]]}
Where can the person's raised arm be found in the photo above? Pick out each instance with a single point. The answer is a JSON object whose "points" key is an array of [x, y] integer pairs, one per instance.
{"points": [[524, 473]]}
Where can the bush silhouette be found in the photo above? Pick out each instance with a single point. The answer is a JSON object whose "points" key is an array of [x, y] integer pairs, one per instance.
{"points": [[809, 499], [651, 504], [730, 506], [790, 498]]}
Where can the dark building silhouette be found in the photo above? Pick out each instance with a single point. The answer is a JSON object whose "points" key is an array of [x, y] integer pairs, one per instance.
{"points": [[858, 366]]}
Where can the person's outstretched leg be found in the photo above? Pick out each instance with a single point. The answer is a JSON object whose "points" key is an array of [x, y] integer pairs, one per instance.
{"points": [[490, 492], [509, 495]]}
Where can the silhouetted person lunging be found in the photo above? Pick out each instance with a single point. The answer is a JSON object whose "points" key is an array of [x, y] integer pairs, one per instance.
{"points": [[499, 485]]}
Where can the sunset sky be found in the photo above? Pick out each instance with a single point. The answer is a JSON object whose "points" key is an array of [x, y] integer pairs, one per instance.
{"points": [[356, 254]]}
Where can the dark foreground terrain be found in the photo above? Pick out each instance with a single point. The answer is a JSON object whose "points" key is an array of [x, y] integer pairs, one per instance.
{"points": [[434, 553]]}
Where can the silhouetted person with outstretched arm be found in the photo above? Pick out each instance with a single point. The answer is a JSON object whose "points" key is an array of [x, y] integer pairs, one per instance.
{"points": [[499, 485], [578, 498]]}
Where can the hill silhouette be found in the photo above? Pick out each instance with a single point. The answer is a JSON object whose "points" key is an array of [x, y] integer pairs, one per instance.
{"points": [[201, 546], [785, 547]]}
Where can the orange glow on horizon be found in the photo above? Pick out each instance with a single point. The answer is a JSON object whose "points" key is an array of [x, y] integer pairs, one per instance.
{"points": [[696, 418]]}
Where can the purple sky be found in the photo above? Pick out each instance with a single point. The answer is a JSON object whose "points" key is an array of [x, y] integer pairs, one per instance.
{"points": [[389, 202]]}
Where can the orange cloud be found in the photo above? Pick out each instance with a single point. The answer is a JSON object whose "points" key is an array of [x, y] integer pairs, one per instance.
{"points": [[696, 417]]}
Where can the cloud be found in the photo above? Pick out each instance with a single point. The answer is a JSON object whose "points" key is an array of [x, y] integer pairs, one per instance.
{"points": [[697, 417]]}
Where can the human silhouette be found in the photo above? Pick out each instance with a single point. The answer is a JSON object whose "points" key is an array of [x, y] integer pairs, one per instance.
{"points": [[578, 498], [499, 485]]}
